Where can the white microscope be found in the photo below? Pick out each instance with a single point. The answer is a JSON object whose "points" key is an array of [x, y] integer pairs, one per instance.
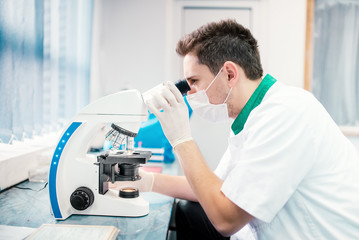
{"points": [[79, 182]]}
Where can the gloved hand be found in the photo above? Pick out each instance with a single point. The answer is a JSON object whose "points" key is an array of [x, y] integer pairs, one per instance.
{"points": [[168, 105], [145, 184]]}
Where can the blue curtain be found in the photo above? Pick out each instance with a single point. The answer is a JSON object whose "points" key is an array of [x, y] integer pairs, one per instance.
{"points": [[45, 52], [336, 59]]}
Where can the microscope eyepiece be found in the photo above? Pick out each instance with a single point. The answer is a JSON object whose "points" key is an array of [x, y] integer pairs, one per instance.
{"points": [[183, 86]]}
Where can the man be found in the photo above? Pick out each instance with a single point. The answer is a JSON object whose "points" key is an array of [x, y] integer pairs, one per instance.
{"points": [[288, 171]]}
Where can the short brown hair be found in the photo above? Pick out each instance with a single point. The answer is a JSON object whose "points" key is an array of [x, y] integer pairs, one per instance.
{"points": [[218, 42]]}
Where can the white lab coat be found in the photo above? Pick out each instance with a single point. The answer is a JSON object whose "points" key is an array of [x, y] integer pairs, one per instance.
{"points": [[293, 170]]}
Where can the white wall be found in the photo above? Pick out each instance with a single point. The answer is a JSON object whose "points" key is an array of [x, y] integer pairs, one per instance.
{"points": [[134, 44], [284, 39], [129, 45]]}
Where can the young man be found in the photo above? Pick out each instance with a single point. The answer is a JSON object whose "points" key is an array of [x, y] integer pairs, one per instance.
{"points": [[288, 171]]}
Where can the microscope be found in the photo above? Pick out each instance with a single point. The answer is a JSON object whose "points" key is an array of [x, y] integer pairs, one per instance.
{"points": [[79, 182]]}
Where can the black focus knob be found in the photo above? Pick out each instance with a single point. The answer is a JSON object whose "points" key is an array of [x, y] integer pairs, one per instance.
{"points": [[82, 198]]}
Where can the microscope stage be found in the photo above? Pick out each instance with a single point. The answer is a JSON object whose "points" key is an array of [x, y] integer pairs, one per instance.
{"points": [[137, 157]]}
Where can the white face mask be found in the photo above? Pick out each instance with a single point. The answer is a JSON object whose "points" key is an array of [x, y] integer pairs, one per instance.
{"points": [[200, 104]]}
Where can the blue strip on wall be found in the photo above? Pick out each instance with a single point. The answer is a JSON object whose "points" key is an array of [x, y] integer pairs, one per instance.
{"points": [[53, 168]]}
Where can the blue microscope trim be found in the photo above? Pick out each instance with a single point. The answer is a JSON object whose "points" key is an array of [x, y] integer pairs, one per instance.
{"points": [[53, 168]]}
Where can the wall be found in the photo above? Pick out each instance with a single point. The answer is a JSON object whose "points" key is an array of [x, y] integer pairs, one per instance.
{"points": [[284, 40], [134, 43], [129, 45]]}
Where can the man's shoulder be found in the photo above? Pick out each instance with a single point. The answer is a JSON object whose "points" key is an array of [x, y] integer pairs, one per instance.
{"points": [[289, 92], [287, 106], [289, 98]]}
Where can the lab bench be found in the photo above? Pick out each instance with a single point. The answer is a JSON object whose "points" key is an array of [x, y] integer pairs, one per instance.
{"points": [[22, 207]]}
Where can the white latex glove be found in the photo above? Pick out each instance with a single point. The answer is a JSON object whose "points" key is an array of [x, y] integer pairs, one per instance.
{"points": [[145, 184], [168, 105]]}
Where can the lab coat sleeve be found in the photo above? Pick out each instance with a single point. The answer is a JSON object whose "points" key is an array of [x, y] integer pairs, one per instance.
{"points": [[272, 155], [223, 164]]}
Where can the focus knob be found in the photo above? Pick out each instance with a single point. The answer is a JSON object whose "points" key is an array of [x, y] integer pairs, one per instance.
{"points": [[82, 198]]}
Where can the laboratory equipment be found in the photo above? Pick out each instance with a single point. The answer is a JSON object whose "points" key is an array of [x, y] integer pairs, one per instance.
{"points": [[151, 135], [183, 86], [118, 136], [78, 181]]}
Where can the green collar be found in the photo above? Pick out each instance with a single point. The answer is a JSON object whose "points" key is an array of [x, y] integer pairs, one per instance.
{"points": [[253, 102]]}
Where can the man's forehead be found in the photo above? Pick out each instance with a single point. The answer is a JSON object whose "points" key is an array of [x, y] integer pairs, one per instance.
{"points": [[192, 68], [190, 61]]}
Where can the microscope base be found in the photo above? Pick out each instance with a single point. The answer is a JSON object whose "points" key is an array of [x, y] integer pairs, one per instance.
{"points": [[111, 204]]}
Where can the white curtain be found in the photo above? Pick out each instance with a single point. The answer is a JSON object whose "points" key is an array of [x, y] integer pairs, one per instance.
{"points": [[336, 59], [45, 52]]}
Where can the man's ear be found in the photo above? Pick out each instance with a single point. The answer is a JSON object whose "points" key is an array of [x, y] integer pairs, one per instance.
{"points": [[231, 70]]}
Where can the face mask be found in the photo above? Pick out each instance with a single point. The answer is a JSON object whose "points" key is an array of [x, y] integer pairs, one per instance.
{"points": [[200, 104]]}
